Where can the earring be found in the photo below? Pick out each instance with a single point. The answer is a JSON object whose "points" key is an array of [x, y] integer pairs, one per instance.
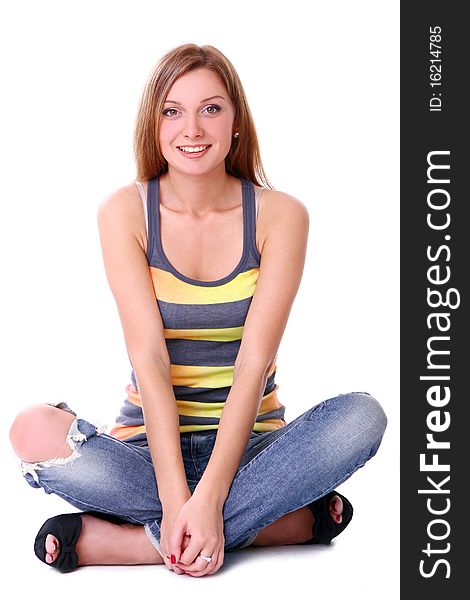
{"points": [[236, 134]]}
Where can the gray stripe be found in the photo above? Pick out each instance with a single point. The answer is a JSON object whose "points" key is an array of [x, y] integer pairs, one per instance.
{"points": [[274, 414], [221, 315], [199, 353], [198, 420], [130, 414], [133, 379], [201, 394]]}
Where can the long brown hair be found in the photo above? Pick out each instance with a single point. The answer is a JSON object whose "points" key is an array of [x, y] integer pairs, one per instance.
{"points": [[243, 159]]}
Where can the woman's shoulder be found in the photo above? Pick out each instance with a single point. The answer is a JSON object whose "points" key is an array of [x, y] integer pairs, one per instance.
{"points": [[122, 198], [123, 207], [276, 205], [279, 211]]}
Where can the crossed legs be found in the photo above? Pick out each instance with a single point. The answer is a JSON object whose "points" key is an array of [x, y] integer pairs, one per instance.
{"points": [[39, 434]]}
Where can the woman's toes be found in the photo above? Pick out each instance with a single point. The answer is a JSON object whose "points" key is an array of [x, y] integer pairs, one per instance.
{"points": [[51, 547], [336, 509]]}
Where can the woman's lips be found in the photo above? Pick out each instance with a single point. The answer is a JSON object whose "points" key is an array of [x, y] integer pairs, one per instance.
{"points": [[193, 151]]}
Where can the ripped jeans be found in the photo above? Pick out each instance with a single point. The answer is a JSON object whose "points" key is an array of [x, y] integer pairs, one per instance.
{"points": [[280, 471]]}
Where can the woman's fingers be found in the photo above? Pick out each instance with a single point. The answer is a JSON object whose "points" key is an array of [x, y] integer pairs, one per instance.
{"points": [[198, 569], [192, 551], [178, 533], [199, 563], [167, 557]]}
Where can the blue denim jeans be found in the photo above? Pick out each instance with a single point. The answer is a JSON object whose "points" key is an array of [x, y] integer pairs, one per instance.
{"points": [[280, 471]]}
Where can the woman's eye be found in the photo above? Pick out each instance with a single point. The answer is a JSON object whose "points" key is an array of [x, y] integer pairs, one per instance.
{"points": [[170, 112], [212, 109]]}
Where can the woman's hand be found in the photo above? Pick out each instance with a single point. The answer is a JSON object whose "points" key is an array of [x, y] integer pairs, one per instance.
{"points": [[201, 523], [169, 516]]}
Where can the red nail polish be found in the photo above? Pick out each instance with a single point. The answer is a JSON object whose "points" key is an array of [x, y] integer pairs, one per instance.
{"points": [[173, 559]]}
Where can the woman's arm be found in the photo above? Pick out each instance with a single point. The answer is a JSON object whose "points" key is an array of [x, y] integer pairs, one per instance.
{"points": [[236, 425], [120, 222], [281, 269]]}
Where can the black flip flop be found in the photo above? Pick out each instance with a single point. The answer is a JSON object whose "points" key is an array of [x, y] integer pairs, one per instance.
{"points": [[66, 528], [325, 528]]}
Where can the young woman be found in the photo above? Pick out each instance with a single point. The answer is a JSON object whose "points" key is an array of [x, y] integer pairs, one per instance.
{"points": [[204, 260]]}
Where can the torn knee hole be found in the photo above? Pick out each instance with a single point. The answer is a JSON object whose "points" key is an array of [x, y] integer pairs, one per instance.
{"points": [[66, 455]]}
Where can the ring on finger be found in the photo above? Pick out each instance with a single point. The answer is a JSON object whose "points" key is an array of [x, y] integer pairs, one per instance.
{"points": [[208, 559]]}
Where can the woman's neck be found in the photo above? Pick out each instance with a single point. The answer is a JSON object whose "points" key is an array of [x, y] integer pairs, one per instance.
{"points": [[196, 194]]}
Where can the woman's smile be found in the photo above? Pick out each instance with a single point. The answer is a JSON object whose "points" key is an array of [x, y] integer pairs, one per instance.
{"points": [[194, 151]]}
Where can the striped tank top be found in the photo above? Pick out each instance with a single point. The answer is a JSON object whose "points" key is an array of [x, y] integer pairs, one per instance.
{"points": [[203, 327]]}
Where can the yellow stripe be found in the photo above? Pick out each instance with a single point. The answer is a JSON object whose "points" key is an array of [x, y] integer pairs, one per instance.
{"points": [[169, 288], [269, 402], [208, 377], [189, 428], [228, 334], [196, 377], [269, 425], [204, 377], [200, 409], [123, 432]]}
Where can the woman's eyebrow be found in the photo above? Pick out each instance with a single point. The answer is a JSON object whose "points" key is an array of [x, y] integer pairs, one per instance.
{"points": [[203, 100]]}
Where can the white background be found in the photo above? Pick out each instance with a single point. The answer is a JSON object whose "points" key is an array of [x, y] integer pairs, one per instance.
{"points": [[323, 87]]}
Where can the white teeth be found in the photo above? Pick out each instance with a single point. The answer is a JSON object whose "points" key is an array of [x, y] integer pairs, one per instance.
{"points": [[191, 149]]}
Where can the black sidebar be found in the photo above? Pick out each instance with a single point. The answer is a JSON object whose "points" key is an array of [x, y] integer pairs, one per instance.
{"points": [[435, 270]]}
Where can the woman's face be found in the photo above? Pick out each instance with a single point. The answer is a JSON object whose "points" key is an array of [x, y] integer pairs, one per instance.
{"points": [[196, 126]]}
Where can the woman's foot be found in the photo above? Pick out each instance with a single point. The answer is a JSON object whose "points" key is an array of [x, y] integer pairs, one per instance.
{"points": [[105, 543], [295, 527]]}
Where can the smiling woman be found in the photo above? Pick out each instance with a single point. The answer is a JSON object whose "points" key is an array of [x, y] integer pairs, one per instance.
{"points": [[204, 260], [157, 104]]}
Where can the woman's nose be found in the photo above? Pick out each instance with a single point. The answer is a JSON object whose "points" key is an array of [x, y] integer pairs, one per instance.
{"points": [[192, 127]]}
